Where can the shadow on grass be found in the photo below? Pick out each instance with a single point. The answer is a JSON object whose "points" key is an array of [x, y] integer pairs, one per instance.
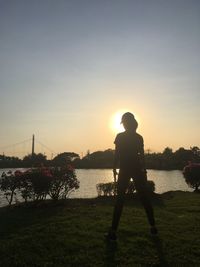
{"points": [[131, 200], [112, 247], [159, 249], [110, 252], [156, 200], [14, 218]]}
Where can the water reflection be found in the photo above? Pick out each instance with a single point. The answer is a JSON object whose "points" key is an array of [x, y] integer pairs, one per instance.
{"points": [[164, 181]]}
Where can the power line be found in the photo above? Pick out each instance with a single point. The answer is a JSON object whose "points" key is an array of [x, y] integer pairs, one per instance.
{"points": [[16, 144], [46, 147], [12, 146]]}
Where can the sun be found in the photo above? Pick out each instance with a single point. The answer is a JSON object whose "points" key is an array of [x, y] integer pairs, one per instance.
{"points": [[115, 122]]}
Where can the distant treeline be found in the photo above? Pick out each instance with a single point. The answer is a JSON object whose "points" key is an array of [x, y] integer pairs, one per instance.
{"points": [[167, 160]]}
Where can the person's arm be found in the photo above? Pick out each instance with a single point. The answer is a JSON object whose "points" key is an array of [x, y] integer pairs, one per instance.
{"points": [[142, 157], [116, 161]]}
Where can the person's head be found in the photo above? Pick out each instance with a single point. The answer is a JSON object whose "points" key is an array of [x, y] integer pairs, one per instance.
{"points": [[129, 122]]}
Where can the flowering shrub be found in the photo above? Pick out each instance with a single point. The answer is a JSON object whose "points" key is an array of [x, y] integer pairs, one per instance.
{"points": [[109, 189], [37, 183], [9, 183], [63, 182], [191, 173]]}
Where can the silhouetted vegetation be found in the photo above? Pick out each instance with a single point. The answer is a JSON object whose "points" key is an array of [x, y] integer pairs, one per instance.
{"points": [[191, 173], [9, 183], [37, 183], [109, 189], [167, 160], [96, 160], [10, 162], [34, 160], [63, 158], [37, 160]]}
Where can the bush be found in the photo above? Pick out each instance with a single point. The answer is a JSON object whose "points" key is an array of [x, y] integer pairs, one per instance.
{"points": [[106, 189], [191, 174], [37, 183], [109, 189], [9, 183], [63, 182]]}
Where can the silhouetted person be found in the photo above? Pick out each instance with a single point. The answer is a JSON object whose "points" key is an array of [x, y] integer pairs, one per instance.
{"points": [[129, 153]]}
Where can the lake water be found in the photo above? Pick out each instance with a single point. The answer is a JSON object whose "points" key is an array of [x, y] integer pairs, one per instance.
{"points": [[164, 181]]}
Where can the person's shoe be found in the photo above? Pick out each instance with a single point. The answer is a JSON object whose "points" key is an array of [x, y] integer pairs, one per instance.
{"points": [[153, 230], [111, 236]]}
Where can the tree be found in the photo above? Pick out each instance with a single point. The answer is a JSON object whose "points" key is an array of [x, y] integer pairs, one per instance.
{"points": [[167, 159], [191, 173], [36, 182], [10, 162], [98, 159], [63, 182], [34, 160], [9, 183], [167, 152], [182, 156], [64, 158], [195, 153]]}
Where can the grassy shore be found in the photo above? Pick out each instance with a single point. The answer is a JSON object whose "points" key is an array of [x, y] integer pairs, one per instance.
{"points": [[71, 233]]}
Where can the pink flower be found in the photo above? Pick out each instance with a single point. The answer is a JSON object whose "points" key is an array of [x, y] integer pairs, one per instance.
{"points": [[17, 173], [28, 171], [70, 167], [46, 172]]}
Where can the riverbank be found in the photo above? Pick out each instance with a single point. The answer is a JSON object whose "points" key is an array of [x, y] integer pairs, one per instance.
{"points": [[164, 181], [71, 233]]}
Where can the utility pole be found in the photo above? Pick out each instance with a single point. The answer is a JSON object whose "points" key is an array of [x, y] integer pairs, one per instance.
{"points": [[33, 145]]}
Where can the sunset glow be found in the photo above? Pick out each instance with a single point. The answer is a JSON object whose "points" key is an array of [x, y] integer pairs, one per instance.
{"points": [[68, 76], [116, 125], [115, 122]]}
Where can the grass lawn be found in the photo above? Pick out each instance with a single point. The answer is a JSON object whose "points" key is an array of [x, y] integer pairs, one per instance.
{"points": [[71, 233]]}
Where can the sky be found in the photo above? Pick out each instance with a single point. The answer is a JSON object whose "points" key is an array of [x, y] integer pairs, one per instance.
{"points": [[68, 67]]}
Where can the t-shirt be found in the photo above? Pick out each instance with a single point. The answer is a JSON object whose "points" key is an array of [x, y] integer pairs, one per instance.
{"points": [[130, 147]]}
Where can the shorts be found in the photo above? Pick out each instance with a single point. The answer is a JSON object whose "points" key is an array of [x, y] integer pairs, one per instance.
{"points": [[139, 177]]}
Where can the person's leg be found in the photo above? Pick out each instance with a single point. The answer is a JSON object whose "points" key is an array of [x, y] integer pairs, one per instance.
{"points": [[141, 187], [146, 202], [122, 185]]}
